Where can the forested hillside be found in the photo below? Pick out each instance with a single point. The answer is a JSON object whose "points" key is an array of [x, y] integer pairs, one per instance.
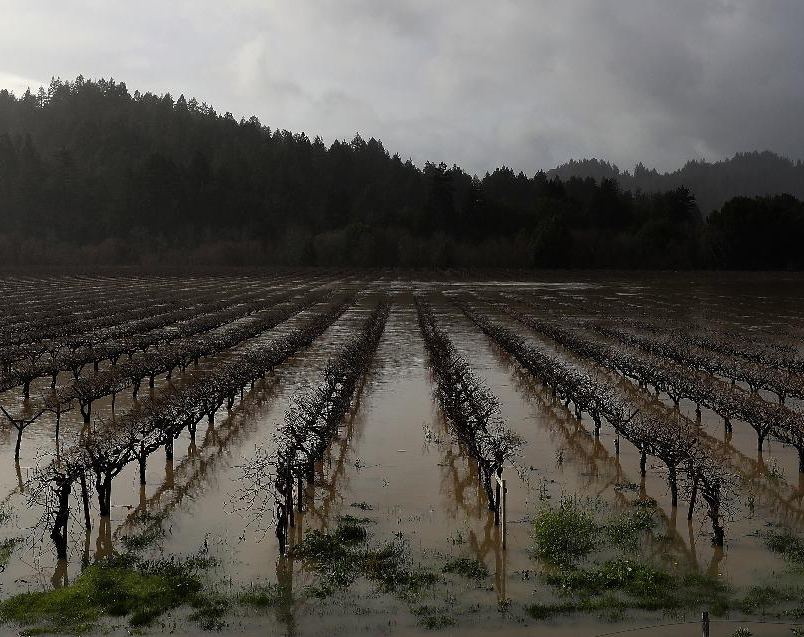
{"points": [[711, 183], [91, 172]]}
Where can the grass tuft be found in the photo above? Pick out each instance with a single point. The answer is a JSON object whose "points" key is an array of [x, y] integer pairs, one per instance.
{"points": [[433, 617], [564, 533], [260, 596], [787, 544], [363, 506], [625, 530], [620, 584], [117, 587], [638, 579], [467, 567], [341, 556]]}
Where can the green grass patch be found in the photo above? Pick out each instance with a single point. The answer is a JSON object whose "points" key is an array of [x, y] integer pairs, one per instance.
{"points": [[467, 567], [761, 599], [625, 530], [152, 532], [787, 544], [647, 503], [621, 584], [571, 531], [564, 533], [546, 611], [636, 578], [140, 541], [119, 587], [209, 610], [610, 606], [433, 617], [260, 596], [342, 555]]}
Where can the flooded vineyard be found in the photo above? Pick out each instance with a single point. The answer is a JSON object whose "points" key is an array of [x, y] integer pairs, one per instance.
{"points": [[299, 452]]}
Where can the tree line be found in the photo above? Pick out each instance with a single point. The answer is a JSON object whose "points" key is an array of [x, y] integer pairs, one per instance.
{"points": [[94, 174], [712, 183]]}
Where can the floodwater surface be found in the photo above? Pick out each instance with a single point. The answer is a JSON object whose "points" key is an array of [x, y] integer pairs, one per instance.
{"points": [[397, 467]]}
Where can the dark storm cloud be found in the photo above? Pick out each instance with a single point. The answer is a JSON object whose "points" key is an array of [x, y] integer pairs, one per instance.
{"points": [[527, 83]]}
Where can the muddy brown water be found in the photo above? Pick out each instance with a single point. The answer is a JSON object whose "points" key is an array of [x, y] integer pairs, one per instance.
{"points": [[395, 456]]}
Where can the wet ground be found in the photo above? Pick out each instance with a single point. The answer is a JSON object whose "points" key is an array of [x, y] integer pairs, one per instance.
{"points": [[396, 463]]}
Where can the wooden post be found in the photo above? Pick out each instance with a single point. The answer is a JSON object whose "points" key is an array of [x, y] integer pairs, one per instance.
{"points": [[500, 516], [143, 459], [85, 498], [291, 515], [504, 515], [497, 501], [300, 493]]}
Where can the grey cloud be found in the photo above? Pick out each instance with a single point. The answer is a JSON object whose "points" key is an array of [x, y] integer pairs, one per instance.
{"points": [[527, 83]]}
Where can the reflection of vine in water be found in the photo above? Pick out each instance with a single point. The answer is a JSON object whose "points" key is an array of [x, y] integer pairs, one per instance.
{"points": [[60, 577], [468, 494], [585, 448], [5, 432], [286, 605], [451, 449], [779, 506], [353, 424], [103, 545], [104, 540], [770, 492], [219, 440], [468, 497], [194, 468], [466, 491], [773, 493]]}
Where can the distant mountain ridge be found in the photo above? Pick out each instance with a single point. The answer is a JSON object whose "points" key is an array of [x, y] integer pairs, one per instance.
{"points": [[750, 174]]}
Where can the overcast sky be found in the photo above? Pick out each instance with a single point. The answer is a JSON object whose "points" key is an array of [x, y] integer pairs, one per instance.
{"points": [[526, 83]]}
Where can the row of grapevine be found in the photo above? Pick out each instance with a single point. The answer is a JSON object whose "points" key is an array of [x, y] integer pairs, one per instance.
{"points": [[679, 381], [109, 307], [162, 330], [150, 324], [655, 431], [315, 416], [694, 351], [109, 446], [471, 408], [87, 389]]}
